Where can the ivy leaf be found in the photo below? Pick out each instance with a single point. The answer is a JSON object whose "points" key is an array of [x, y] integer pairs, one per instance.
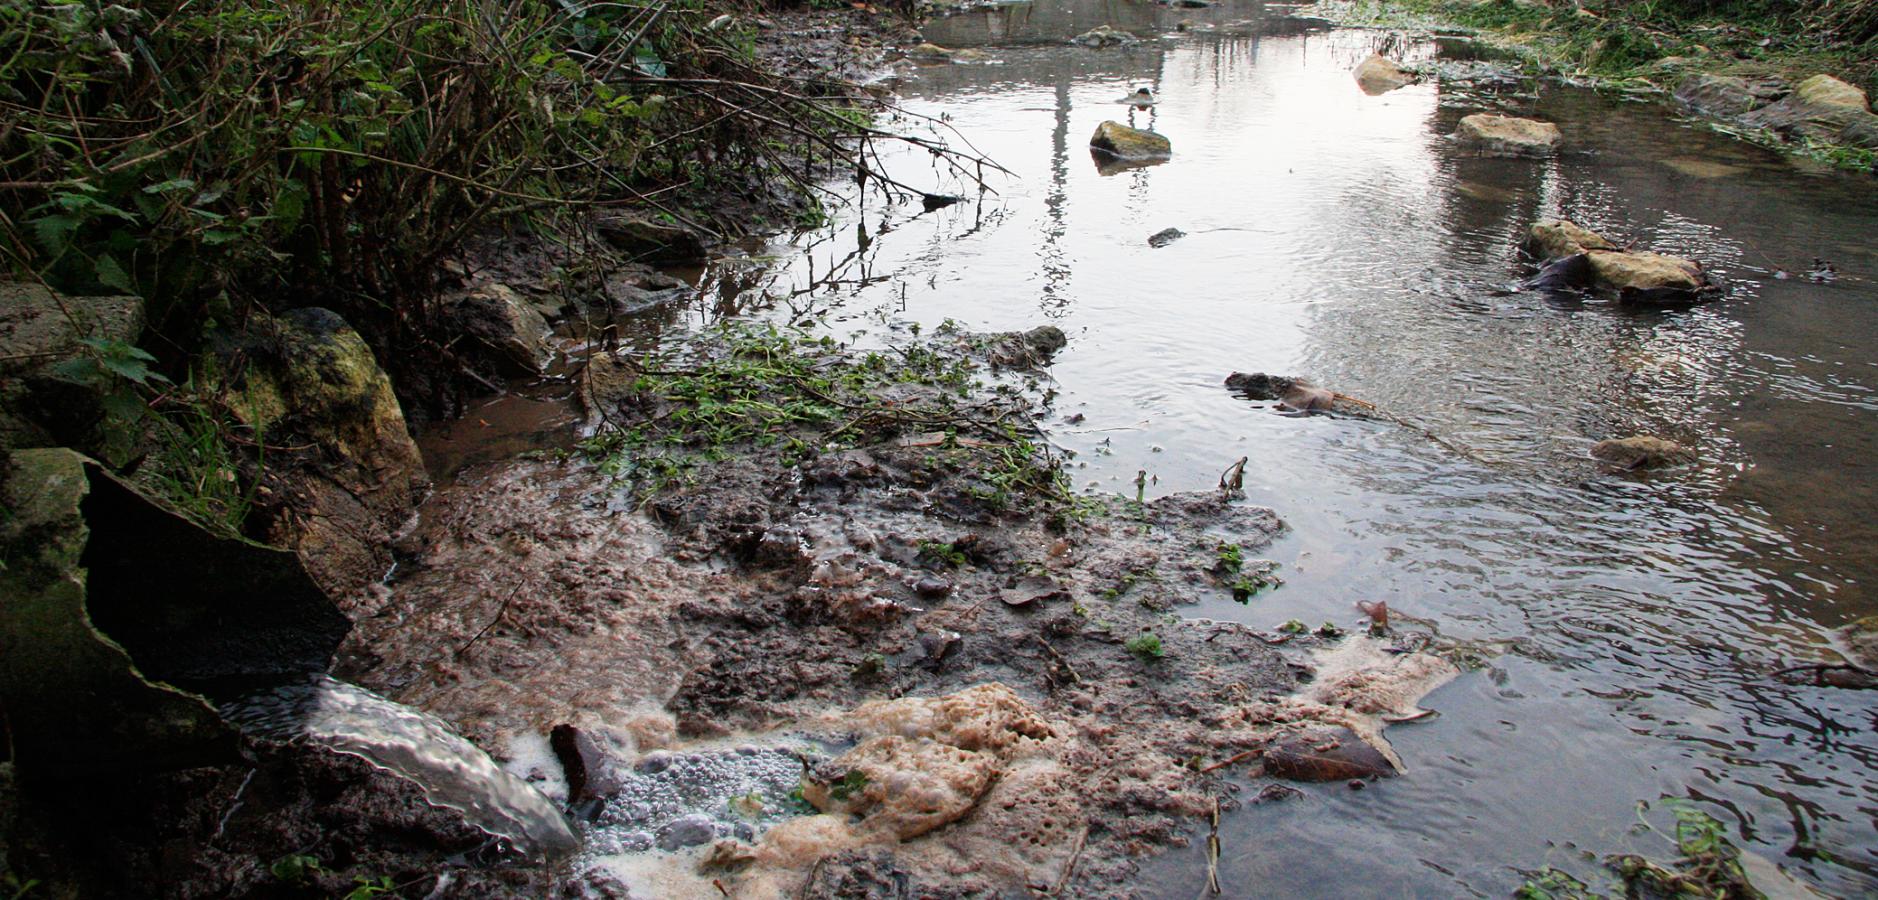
{"points": [[646, 60], [171, 186]]}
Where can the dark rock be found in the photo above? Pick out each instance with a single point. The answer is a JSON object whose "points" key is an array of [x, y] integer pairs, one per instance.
{"points": [[508, 328], [1326, 755], [1164, 237], [1291, 393], [75, 699], [654, 242], [585, 764], [1124, 143], [1026, 349], [932, 587]]}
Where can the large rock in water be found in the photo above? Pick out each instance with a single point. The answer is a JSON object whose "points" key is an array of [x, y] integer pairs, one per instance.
{"points": [[1823, 108], [1641, 451], [108, 601], [1555, 238], [42, 402], [1587, 259], [1718, 95], [1508, 136], [312, 383], [1379, 75], [1121, 142]]}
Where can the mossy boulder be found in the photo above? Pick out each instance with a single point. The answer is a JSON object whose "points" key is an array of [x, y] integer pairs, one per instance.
{"points": [[1492, 135], [352, 474], [1118, 141]]}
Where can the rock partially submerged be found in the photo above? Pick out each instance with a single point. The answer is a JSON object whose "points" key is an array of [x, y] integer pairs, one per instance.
{"points": [[1104, 36], [1576, 257], [933, 53], [1379, 75], [1164, 237], [1294, 394], [1494, 135], [1641, 451], [649, 241], [508, 328], [1120, 142]]}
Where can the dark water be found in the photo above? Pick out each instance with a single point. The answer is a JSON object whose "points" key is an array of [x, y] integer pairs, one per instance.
{"points": [[1336, 236]]}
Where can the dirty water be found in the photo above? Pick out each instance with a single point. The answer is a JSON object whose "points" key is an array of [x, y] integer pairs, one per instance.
{"points": [[1335, 236]]}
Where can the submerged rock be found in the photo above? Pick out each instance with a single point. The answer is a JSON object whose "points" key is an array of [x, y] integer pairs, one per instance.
{"points": [[1379, 75], [1641, 452], [1026, 349], [1508, 136], [1103, 36], [1335, 754], [930, 52], [1294, 394], [1131, 144]]}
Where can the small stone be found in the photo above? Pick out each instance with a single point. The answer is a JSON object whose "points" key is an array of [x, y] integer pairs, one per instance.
{"points": [[1379, 75], [932, 587], [687, 831], [1164, 237], [653, 763], [1124, 143]]}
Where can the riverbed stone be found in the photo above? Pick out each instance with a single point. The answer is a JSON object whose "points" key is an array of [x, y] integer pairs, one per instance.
{"points": [[1379, 75], [1329, 754], [1124, 143], [1557, 238], [649, 241], [1641, 451], [687, 831], [1495, 135]]}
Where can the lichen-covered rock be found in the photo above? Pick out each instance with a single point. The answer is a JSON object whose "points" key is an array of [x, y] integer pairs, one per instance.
{"points": [[1557, 238], [1379, 75], [40, 404], [1507, 135], [1124, 143], [902, 786], [311, 381], [507, 326], [74, 699], [1641, 452]]}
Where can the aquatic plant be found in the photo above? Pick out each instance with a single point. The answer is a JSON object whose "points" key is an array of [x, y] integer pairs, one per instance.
{"points": [[1146, 645]]}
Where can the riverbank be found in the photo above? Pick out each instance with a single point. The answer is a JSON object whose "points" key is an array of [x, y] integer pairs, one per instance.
{"points": [[1657, 50]]}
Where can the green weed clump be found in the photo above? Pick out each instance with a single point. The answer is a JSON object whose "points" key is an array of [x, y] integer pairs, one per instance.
{"points": [[1707, 865], [216, 156]]}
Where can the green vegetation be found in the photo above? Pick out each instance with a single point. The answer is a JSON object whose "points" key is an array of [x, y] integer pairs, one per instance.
{"points": [[1294, 626], [1146, 645], [854, 781], [1245, 581], [1707, 865], [744, 386]]}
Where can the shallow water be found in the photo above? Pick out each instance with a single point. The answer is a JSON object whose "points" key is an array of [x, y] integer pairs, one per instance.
{"points": [[1336, 236]]}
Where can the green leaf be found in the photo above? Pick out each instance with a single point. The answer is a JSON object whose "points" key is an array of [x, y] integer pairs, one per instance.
{"points": [[171, 186], [112, 275], [55, 231]]}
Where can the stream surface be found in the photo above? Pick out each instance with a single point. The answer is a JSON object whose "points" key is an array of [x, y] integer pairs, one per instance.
{"points": [[1337, 236]]}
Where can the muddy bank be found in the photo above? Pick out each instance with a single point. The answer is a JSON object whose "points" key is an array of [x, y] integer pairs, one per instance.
{"points": [[1060, 718]]}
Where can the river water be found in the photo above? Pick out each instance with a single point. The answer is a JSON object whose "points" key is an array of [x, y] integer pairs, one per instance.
{"points": [[1337, 236]]}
